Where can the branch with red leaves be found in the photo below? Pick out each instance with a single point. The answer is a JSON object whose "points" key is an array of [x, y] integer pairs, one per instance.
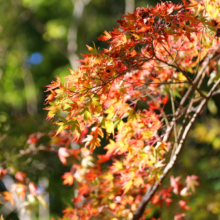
{"points": [[152, 54], [151, 191], [156, 57]]}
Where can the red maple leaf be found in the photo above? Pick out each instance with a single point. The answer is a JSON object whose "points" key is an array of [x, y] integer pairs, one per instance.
{"points": [[106, 37], [176, 184], [20, 176]]}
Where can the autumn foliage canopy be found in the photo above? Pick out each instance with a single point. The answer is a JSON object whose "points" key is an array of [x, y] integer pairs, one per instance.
{"points": [[141, 95]]}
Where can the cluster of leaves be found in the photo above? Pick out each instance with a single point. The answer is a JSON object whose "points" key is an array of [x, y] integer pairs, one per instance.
{"points": [[151, 59], [28, 192], [151, 49]]}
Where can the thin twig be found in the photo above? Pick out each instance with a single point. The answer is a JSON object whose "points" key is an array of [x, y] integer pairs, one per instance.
{"points": [[174, 118], [152, 189], [206, 62], [26, 152]]}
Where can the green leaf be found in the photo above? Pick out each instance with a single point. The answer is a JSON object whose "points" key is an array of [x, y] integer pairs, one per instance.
{"points": [[119, 124], [62, 118], [61, 128], [176, 94], [74, 125], [87, 115]]}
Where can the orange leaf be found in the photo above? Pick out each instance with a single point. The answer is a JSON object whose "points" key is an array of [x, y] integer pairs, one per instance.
{"points": [[77, 199], [54, 84], [68, 178], [103, 158], [9, 197], [106, 37]]}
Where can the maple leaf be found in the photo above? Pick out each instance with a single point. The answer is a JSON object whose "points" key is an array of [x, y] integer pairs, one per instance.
{"points": [[117, 166], [54, 84], [97, 131], [191, 182], [108, 177], [103, 158], [176, 184], [110, 147], [164, 100], [84, 189], [74, 153], [109, 126], [2, 172], [103, 93], [33, 138], [20, 189], [106, 37], [92, 140], [53, 109], [91, 176], [20, 176], [179, 216], [68, 178], [8, 196], [126, 186], [157, 200], [50, 97], [63, 154], [92, 50], [77, 199], [183, 205]]}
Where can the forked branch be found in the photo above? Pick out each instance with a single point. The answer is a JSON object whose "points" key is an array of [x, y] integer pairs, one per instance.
{"points": [[151, 191]]}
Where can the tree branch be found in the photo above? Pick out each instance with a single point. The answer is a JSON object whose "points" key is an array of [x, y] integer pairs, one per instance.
{"points": [[152, 189], [206, 62], [26, 152]]}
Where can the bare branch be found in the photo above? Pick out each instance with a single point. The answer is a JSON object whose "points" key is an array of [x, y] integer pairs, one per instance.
{"points": [[217, 92], [27, 152], [175, 128]]}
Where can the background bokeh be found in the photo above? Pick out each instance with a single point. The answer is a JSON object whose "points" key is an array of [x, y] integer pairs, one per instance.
{"points": [[40, 39]]}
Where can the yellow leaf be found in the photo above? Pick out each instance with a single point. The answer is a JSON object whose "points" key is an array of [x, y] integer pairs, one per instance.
{"points": [[108, 177], [127, 186], [138, 181], [110, 147], [92, 141], [109, 126], [117, 166]]}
